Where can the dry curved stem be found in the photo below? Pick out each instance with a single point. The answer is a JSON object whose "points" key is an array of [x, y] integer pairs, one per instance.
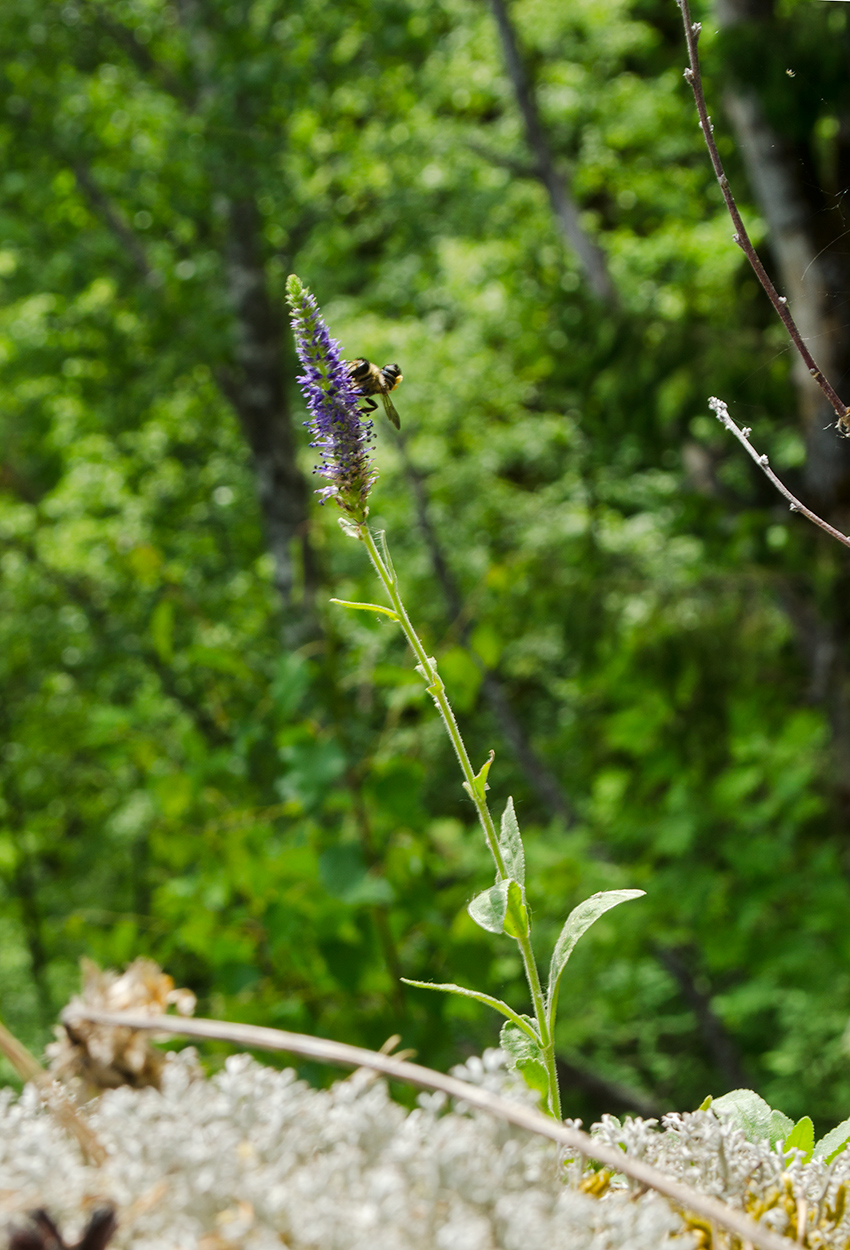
{"points": [[55, 1098], [682, 1196], [741, 237], [743, 436]]}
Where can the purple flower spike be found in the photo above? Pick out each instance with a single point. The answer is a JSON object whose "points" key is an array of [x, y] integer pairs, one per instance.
{"points": [[339, 430]]}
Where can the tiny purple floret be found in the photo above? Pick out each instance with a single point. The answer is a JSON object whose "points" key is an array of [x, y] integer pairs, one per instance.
{"points": [[339, 430]]}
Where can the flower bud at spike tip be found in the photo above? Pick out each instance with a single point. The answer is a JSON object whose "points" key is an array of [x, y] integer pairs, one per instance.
{"points": [[339, 430]]}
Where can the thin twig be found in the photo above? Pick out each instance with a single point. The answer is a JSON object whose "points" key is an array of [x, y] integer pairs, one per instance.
{"points": [[54, 1097], [741, 237], [743, 436], [324, 1051], [538, 775]]}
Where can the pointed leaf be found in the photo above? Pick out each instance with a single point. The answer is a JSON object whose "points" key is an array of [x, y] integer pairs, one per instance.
{"points": [[801, 1137], [488, 908], [578, 922], [366, 607], [510, 841], [834, 1142], [501, 909], [516, 914], [479, 786], [750, 1113], [525, 1055], [495, 1003], [779, 1127], [705, 1104]]}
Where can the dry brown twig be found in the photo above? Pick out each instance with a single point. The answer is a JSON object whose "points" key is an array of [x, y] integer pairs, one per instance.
{"points": [[682, 1196], [54, 1097], [743, 436], [741, 237]]}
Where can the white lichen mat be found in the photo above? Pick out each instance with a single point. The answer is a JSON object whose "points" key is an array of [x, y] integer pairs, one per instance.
{"points": [[255, 1158]]}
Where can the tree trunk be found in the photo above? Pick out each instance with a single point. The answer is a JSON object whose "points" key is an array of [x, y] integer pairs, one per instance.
{"points": [[256, 388], [590, 255]]}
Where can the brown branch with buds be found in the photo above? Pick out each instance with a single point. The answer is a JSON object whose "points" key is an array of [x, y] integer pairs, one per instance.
{"points": [[743, 436], [742, 238]]}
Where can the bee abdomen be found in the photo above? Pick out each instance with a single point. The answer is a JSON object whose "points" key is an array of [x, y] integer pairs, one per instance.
{"points": [[392, 375]]}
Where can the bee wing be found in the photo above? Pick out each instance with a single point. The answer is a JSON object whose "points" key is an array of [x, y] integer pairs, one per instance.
{"points": [[389, 408]]}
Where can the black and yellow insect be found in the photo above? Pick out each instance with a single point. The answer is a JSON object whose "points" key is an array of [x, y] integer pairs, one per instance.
{"points": [[370, 380]]}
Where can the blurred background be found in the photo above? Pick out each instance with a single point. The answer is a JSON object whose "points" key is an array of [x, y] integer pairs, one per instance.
{"points": [[204, 761]]}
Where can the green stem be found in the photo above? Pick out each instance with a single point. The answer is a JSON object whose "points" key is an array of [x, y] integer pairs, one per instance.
{"points": [[547, 1039], [428, 668], [438, 693]]}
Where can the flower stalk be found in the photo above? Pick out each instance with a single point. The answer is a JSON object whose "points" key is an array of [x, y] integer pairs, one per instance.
{"points": [[342, 436]]}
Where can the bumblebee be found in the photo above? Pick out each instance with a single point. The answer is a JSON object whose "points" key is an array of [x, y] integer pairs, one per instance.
{"points": [[370, 380]]}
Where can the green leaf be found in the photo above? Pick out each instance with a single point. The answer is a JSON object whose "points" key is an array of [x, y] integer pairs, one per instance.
{"points": [[488, 908], [510, 842], [366, 607], [578, 922], [521, 1022], [501, 909], [779, 1126], [516, 915], [524, 1054], [705, 1104], [750, 1113], [345, 875], [479, 786], [801, 1137], [833, 1143]]}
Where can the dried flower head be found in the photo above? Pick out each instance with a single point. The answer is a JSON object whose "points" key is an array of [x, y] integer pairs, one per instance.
{"points": [[339, 429], [102, 1056]]}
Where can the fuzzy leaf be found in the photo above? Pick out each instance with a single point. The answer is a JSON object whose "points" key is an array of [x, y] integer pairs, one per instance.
{"points": [[495, 1003], [516, 914], [578, 922], [501, 909], [801, 1137], [479, 786], [525, 1055], [834, 1142], [488, 908], [510, 841], [753, 1116]]}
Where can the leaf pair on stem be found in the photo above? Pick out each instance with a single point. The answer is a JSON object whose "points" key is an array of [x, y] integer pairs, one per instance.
{"points": [[503, 909]]}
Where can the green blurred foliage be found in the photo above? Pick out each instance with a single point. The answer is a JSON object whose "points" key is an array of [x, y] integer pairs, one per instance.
{"points": [[286, 833]]}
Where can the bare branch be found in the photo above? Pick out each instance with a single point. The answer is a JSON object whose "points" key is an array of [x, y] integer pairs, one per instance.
{"points": [[616, 1096], [717, 1040], [343, 1055], [590, 255], [520, 169], [138, 52], [743, 436], [101, 203], [538, 775], [741, 237]]}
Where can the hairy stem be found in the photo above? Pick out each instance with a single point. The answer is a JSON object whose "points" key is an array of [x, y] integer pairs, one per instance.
{"points": [[435, 686], [428, 668]]}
